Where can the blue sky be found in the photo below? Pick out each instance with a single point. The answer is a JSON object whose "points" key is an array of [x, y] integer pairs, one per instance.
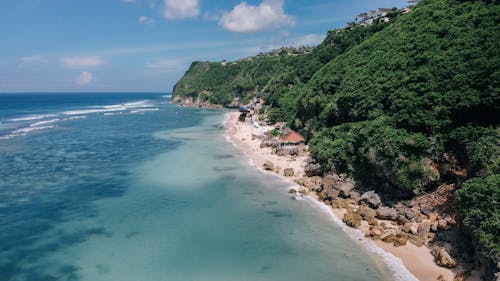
{"points": [[147, 45]]}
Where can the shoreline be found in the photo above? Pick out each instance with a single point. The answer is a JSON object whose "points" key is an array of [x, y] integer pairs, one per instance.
{"points": [[407, 262]]}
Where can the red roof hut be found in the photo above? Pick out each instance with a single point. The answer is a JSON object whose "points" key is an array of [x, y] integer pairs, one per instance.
{"points": [[293, 138]]}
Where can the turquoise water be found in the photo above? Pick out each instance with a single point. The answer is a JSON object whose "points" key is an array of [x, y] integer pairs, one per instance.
{"points": [[137, 189]]}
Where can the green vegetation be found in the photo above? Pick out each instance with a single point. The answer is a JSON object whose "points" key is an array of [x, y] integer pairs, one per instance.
{"points": [[478, 200], [401, 106]]}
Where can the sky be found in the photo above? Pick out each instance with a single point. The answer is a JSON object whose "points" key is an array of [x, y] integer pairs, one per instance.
{"points": [[147, 45]]}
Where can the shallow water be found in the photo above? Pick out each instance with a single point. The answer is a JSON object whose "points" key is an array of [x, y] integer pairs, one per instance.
{"points": [[153, 195]]}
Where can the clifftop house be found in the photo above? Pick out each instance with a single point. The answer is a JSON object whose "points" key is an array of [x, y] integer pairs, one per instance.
{"points": [[369, 17]]}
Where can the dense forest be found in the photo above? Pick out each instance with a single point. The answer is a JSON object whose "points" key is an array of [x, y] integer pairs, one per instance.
{"points": [[402, 106]]}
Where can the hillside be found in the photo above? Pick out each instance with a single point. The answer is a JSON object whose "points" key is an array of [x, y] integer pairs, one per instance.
{"points": [[403, 107]]}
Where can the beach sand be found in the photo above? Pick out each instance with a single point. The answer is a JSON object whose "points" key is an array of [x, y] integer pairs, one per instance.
{"points": [[418, 260]]}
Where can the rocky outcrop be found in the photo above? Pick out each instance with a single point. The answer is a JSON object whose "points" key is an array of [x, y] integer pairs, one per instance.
{"points": [[313, 169], [386, 213], [345, 188], [442, 258], [371, 199], [352, 219]]}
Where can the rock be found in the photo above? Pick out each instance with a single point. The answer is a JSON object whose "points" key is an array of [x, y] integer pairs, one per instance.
{"points": [[426, 209], [292, 190], [442, 258], [288, 172], [371, 199], [423, 229], [386, 213], [442, 224], [293, 152], [313, 170], [303, 190], [397, 239], [309, 181], [340, 204], [345, 188], [434, 226], [354, 195], [277, 169], [414, 228], [376, 232], [365, 212], [328, 182], [352, 219], [268, 166]]}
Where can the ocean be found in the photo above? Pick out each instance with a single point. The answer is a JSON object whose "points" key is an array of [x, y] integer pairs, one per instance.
{"points": [[125, 186]]}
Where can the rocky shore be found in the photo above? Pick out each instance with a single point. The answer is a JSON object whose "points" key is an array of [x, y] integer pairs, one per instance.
{"points": [[421, 232]]}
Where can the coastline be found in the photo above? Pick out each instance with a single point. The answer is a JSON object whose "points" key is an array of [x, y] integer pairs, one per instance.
{"points": [[407, 262]]}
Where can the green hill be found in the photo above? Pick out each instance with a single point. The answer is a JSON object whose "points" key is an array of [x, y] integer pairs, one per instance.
{"points": [[403, 107]]}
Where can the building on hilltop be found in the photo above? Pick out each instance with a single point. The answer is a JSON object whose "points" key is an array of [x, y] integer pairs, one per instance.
{"points": [[369, 17]]}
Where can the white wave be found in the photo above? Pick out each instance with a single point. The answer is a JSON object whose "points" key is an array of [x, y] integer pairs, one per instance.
{"points": [[90, 111], [142, 110], [32, 117], [142, 104], [25, 131], [76, 117], [44, 122], [136, 104], [166, 96]]}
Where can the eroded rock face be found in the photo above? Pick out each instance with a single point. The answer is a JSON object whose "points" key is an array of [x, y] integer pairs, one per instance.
{"points": [[386, 213], [371, 199], [443, 258]]}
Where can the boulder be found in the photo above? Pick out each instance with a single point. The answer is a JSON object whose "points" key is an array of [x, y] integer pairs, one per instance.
{"points": [[345, 188], [365, 212], [371, 199], [442, 258], [313, 170], [397, 239], [303, 190], [277, 169], [292, 190], [386, 213], [288, 172], [442, 224], [328, 182], [268, 166], [376, 232], [352, 219], [423, 229], [309, 181]]}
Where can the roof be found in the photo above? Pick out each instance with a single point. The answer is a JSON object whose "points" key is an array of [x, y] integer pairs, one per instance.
{"points": [[293, 137]]}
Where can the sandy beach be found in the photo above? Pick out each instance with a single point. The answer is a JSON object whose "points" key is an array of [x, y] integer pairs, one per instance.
{"points": [[417, 260]]}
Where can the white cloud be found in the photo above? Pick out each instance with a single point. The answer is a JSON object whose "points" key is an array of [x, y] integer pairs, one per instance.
{"points": [[146, 20], [180, 9], [84, 78], [128, 1], [32, 59], [80, 62], [268, 15]]}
